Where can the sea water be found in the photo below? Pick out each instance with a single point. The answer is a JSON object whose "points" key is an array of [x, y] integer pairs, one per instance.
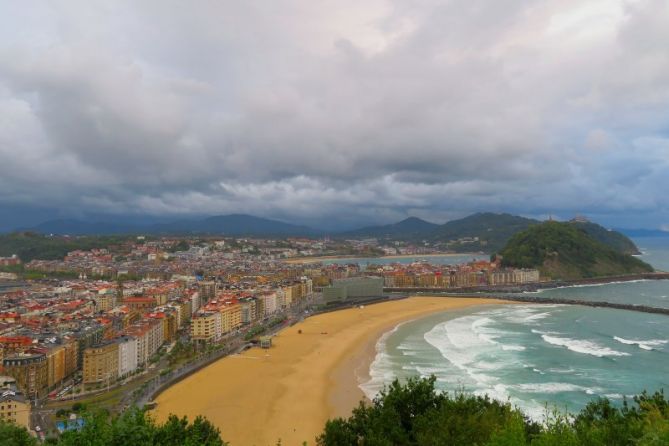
{"points": [[539, 356]]}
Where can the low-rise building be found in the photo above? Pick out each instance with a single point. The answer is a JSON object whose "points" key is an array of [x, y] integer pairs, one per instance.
{"points": [[14, 407]]}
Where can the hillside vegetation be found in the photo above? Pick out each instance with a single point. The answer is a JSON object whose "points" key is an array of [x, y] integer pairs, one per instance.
{"points": [[29, 245], [566, 251], [613, 239], [492, 231]]}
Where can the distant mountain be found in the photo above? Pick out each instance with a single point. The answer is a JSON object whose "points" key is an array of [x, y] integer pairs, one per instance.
{"points": [[566, 251], [644, 232], [79, 227], [407, 228], [484, 231], [235, 225]]}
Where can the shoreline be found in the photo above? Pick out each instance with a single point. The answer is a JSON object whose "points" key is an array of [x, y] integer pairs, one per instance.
{"points": [[311, 374], [300, 260]]}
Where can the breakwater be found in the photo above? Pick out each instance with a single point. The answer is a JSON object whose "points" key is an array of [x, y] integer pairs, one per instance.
{"points": [[518, 293]]}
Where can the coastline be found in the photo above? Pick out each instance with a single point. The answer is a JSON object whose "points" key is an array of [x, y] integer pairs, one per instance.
{"points": [[300, 260], [311, 374]]}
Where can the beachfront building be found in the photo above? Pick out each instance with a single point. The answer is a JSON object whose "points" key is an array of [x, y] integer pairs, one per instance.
{"points": [[101, 364], [206, 327], [149, 335], [269, 303], [525, 275], [353, 288], [248, 310], [231, 318]]}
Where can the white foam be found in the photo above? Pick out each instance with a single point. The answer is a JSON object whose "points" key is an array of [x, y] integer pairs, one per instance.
{"points": [[644, 345], [582, 346], [381, 369], [513, 348], [459, 344], [552, 388]]}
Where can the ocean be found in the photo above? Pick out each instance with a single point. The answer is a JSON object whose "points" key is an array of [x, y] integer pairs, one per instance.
{"points": [[540, 357]]}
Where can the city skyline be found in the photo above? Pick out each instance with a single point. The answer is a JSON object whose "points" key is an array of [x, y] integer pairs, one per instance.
{"points": [[337, 115]]}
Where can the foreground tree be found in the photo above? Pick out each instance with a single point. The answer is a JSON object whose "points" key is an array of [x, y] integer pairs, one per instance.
{"points": [[13, 435], [135, 427], [416, 414]]}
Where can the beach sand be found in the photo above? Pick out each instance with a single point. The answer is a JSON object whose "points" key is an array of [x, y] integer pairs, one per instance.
{"points": [[288, 392]]}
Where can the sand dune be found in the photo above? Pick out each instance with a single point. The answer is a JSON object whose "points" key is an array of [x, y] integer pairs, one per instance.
{"points": [[290, 390]]}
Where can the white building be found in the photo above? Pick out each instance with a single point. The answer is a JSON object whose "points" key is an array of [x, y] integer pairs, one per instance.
{"points": [[127, 355]]}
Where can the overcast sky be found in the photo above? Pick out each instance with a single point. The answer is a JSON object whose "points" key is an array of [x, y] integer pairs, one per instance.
{"points": [[337, 112]]}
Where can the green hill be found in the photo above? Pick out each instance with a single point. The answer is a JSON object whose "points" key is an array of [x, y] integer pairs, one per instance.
{"points": [[614, 239], [29, 245], [484, 231], [408, 228], [566, 251]]}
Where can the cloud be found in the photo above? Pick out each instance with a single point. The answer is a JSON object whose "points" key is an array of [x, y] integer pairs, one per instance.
{"points": [[339, 111]]}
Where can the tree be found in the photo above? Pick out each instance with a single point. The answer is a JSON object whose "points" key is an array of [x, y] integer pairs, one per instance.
{"points": [[13, 435]]}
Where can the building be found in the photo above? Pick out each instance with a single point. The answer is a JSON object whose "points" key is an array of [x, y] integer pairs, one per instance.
{"points": [[14, 407], [248, 307], [140, 303], [207, 291], [101, 363], [231, 318], [206, 327], [30, 372], [127, 355], [525, 275], [105, 300], [149, 335], [269, 303], [10, 261], [353, 288]]}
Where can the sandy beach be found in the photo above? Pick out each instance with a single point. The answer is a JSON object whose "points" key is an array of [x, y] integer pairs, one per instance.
{"points": [[290, 390]]}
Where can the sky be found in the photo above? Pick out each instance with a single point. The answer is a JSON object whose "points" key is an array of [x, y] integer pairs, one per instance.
{"points": [[335, 113]]}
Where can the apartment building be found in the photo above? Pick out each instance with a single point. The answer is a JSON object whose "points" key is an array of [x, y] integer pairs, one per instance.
{"points": [[127, 355], [101, 363], [29, 371], [206, 327]]}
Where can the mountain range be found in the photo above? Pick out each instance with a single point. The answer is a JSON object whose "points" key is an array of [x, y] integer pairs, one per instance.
{"points": [[486, 231], [233, 224]]}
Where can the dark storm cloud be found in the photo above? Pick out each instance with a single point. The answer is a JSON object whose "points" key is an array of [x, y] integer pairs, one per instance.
{"points": [[337, 111]]}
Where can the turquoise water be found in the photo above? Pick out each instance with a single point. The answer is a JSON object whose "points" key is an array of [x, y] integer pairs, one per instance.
{"points": [[538, 355], [450, 259]]}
